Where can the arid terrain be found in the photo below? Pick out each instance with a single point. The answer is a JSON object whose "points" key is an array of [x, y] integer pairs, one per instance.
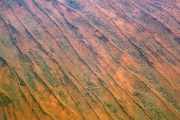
{"points": [[89, 59]]}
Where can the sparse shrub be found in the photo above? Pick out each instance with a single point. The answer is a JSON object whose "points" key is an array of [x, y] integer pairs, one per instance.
{"points": [[13, 29], [94, 19], [103, 38], [90, 84], [137, 94], [74, 4], [4, 63], [4, 100], [20, 2], [37, 33], [62, 95], [111, 108]]}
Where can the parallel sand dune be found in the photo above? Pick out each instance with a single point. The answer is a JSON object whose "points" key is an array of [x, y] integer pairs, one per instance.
{"points": [[89, 60]]}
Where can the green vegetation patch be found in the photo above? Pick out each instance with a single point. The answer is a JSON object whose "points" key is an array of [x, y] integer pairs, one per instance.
{"points": [[20, 2], [3, 62], [30, 81], [37, 33], [151, 106], [74, 4], [21, 82], [136, 55], [69, 81], [171, 61], [111, 108], [101, 81], [4, 100], [13, 29], [139, 85], [90, 84], [7, 3], [137, 94], [177, 39], [62, 95], [103, 38], [94, 19], [150, 76], [169, 97], [29, 34], [167, 57]]}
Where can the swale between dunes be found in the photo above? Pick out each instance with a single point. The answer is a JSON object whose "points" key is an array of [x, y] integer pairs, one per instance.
{"points": [[89, 60]]}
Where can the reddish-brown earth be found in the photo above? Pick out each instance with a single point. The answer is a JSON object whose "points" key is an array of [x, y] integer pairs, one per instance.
{"points": [[89, 59]]}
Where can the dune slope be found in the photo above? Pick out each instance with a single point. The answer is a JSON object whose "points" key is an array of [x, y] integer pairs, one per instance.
{"points": [[89, 59]]}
